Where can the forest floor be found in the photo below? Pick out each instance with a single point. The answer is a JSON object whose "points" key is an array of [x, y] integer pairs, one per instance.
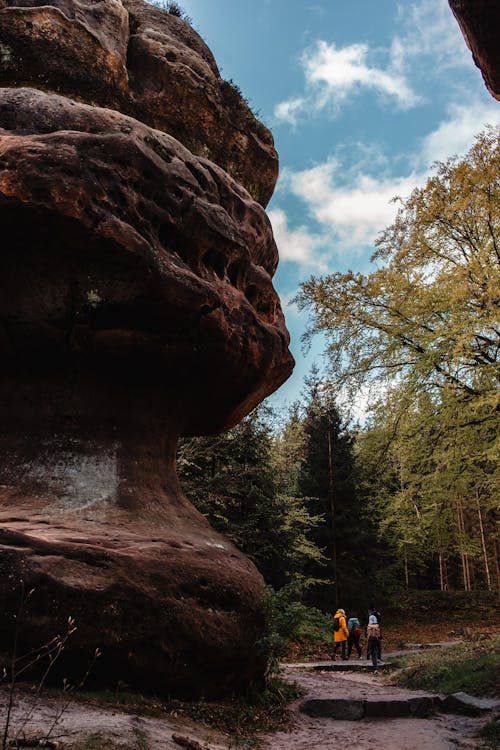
{"points": [[85, 726], [90, 724]]}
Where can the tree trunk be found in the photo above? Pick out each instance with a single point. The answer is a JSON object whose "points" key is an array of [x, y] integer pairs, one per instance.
{"points": [[483, 542], [446, 577], [463, 556], [332, 514], [442, 576], [497, 562]]}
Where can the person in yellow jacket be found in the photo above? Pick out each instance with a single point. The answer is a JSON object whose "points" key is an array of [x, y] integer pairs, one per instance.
{"points": [[340, 633]]}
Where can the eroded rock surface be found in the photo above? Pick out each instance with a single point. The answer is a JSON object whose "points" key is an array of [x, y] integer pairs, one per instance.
{"points": [[136, 305], [144, 62], [479, 21]]}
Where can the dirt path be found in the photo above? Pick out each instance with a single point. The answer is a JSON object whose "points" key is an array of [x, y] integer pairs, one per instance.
{"points": [[441, 732], [92, 727], [88, 727]]}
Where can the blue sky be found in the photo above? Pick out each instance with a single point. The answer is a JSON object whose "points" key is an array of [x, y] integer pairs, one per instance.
{"points": [[362, 98]]}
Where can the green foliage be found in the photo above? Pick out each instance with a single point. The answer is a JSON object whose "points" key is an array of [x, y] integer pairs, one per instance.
{"points": [[231, 479], [428, 316], [327, 476], [431, 474], [410, 500], [289, 621], [491, 734], [471, 667], [422, 329]]}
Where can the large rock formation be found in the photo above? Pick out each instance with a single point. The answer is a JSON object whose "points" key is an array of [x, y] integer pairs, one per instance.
{"points": [[479, 21], [136, 305], [144, 62]]}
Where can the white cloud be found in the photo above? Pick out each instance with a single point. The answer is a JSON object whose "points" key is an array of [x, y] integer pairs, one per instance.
{"points": [[296, 245], [455, 135], [428, 29], [357, 407], [355, 213], [352, 205], [289, 111], [334, 73], [428, 39], [337, 71]]}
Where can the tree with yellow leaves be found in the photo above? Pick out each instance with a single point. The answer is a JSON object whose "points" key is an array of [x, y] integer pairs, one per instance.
{"points": [[428, 317], [425, 325]]}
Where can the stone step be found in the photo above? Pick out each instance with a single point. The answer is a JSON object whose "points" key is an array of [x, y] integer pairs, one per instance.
{"points": [[353, 710], [361, 665], [347, 709]]}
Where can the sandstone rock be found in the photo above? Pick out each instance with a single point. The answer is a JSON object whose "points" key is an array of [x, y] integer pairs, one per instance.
{"points": [[479, 21], [175, 85], [353, 709], [85, 190], [142, 61], [136, 305], [66, 45]]}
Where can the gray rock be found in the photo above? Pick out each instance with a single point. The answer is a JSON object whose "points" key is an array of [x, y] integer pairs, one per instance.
{"points": [[423, 706], [388, 708], [468, 705], [334, 708]]}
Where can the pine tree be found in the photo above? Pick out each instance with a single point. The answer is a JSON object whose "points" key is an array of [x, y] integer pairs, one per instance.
{"points": [[232, 479], [327, 477]]}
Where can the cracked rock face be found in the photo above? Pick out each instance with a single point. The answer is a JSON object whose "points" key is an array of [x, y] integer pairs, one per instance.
{"points": [[479, 21], [136, 305]]}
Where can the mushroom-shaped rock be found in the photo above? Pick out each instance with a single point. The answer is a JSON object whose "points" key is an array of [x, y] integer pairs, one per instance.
{"points": [[136, 305], [479, 21]]}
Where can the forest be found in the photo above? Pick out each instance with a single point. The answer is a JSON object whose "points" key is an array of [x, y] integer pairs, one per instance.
{"points": [[338, 513]]}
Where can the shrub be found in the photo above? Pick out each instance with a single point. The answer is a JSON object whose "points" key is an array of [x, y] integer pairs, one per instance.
{"points": [[289, 621], [172, 8]]}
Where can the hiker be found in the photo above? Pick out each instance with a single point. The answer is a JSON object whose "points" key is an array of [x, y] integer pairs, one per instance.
{"points": [[374, 611], [340, 633], [373, 638], [354, 628]]}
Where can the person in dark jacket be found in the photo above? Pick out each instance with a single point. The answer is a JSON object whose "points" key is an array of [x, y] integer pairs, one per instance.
{"points": [[373, 640], [354, 628]]}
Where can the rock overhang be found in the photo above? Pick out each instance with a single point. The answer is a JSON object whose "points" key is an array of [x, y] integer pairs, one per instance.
{"points": [[149, 251]]}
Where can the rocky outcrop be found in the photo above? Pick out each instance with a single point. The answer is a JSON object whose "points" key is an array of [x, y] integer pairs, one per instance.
{"points": [[479, 21], [144, 62], [136, 305]]}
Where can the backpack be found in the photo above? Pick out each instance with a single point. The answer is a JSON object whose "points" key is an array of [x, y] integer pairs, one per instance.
{"points": [[373, 631], [336, 624]]}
